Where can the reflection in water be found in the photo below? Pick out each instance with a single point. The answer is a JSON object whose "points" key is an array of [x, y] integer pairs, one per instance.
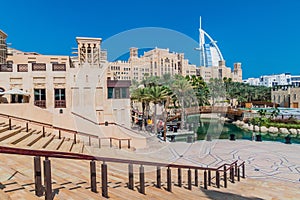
{"points": [[219, 130]]}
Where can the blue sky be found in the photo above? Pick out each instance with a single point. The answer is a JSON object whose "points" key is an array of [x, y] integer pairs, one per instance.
{"points": [[262, 34]]}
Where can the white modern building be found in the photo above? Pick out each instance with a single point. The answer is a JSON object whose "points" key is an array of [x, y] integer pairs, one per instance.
{"points": [[274, 80]]}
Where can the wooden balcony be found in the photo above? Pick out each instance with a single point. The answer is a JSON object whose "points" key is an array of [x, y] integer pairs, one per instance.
{"points": [[6, 68], [22, 68], [60, 104], [58, 67], [40, 103], [38, 66]]}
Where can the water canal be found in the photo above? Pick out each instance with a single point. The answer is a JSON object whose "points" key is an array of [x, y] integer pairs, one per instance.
{"points": [[222, 130]]}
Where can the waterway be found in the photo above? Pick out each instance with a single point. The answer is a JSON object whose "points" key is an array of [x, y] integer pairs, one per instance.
{"points": [[220, 130]]}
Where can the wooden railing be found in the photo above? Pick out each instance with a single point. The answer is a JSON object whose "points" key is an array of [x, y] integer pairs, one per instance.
{"points": [[89, 136], [234, 169]]}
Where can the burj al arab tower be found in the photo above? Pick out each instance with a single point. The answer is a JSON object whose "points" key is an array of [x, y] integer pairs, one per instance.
{"points": [[210, 54]]}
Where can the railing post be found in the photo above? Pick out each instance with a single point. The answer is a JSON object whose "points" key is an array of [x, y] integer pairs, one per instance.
{"points": [[110, 142], [235, 169], [169, 180], [232, 174], [90, 143], [128, 143], [179, 178], [99, 143], [27, 128], [238, 174], [43, 131], [209, 178], [205, 179], [218, 179], [75, 135], [47, 179], [225, 177], [158, 177], [243, 170], [142, 180], [38, 176], [104, 180], [196, 177], [120, 144], [189, 179], [59, 134], [9, 123], [130, 176], [93, 176]]}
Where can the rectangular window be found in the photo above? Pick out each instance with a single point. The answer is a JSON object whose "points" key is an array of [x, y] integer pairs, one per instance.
{"points": [[295, 96], [110, 92], [40, 98], [60, 98]]}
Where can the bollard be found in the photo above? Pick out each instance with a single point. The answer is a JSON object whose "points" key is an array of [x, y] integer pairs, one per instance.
{"points": [[110, 142], [93, 176], [38, 176], [169, 180], [104, 180], [99, 143], [128, 143], [158, 177], [142, 180], [43, 131], [120, 145], [90, 141], [130, 175], [27, 128], [47, 179], [179, 178], [189, 179], [59, 134]]}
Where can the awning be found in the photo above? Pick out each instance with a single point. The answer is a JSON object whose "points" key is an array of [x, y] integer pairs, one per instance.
{"points": [[16, 91]]}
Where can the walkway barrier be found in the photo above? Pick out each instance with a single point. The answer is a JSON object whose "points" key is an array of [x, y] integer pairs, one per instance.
{"points": [[118, 142], [46, 190]]}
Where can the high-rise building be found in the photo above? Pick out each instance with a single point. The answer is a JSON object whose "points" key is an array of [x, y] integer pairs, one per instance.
{"points": [[212, 63]]}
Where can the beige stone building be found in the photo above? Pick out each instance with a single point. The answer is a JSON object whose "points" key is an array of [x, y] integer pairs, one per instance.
{"points": [[155, 62], [64, 85], [221, 71], [3, 47], [286, 96]]}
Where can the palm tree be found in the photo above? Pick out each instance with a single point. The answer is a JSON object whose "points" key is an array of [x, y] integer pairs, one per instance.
{"points": [[157, 94], [140, 95], [185, 94]]}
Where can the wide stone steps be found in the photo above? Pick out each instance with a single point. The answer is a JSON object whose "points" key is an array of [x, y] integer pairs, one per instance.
{"points": [[55, 144], [17, 138], [43, 142], [9, 133], [33, 138]]}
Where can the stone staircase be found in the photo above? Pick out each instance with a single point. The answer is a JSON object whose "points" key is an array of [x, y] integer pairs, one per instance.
{"points": [[34, 139], [71, 178]]}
